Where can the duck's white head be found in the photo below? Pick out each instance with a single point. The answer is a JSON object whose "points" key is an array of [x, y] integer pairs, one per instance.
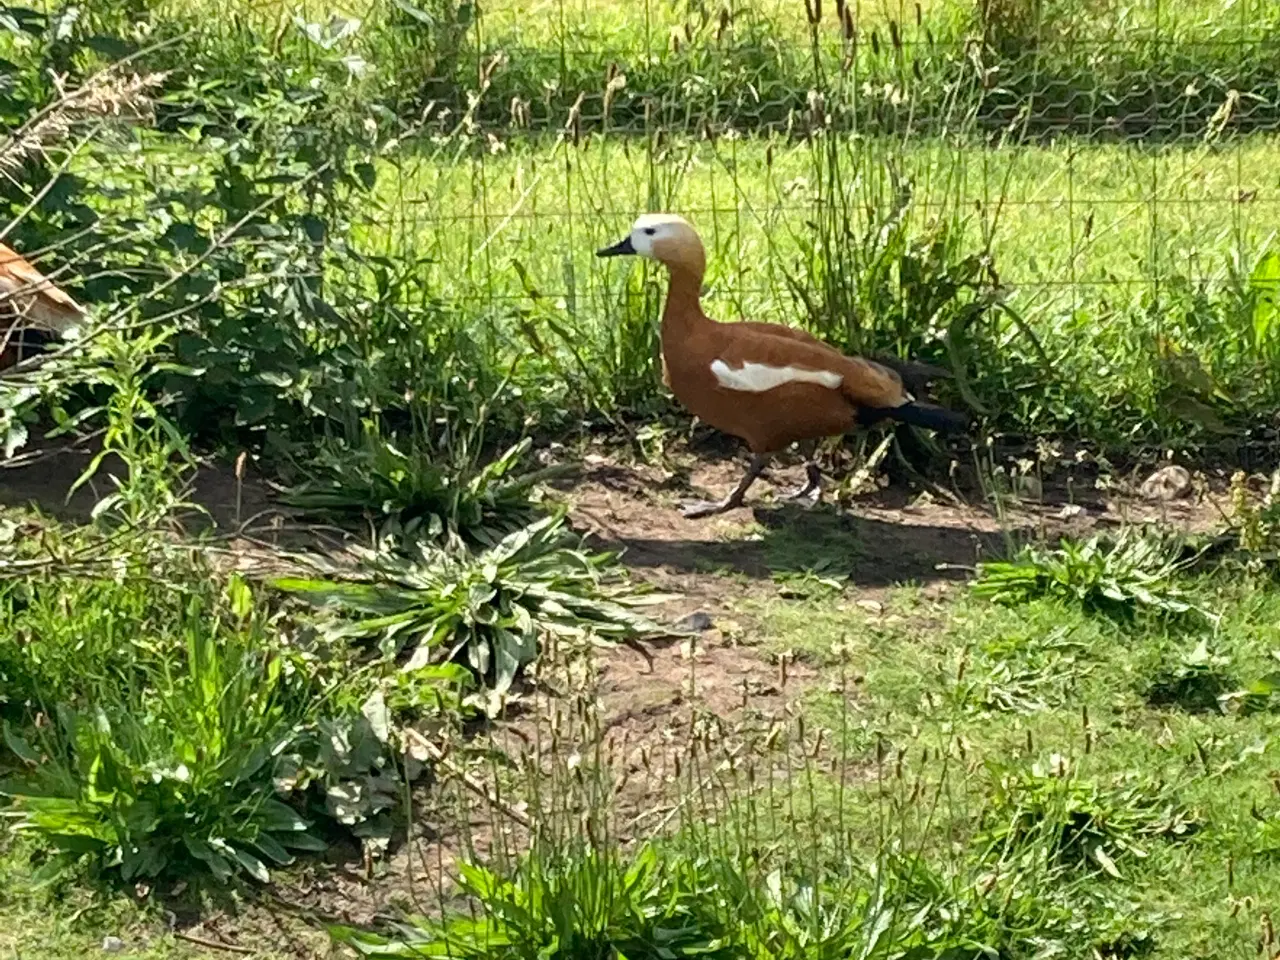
{"points": [[664, 237]]}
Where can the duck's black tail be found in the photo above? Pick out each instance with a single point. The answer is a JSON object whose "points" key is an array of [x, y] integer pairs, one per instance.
{"points": [[917, 414], [915, 376]]}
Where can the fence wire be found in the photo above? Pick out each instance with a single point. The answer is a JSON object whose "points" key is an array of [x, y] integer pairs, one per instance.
{"points": [[1119, 142], [1105, 169]]}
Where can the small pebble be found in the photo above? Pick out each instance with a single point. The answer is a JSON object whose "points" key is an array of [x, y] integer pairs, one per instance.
{"points": [[112, 944], [697, 622], [1168, 483]]}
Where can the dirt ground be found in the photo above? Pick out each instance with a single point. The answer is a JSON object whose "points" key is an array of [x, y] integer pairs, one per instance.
{"points": [[712, 690]]}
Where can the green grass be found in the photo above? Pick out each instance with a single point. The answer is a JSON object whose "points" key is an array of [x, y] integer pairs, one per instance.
{"points": [[1018, 686], [73, 921], [1129, 67], [539, 23], [1100, 247], [750, 199], [1074, 758]]}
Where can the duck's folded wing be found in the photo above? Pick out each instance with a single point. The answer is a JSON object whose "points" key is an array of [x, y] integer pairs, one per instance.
{"points": [[917, 376], [780, 330], [758, 363], [33, 295]]}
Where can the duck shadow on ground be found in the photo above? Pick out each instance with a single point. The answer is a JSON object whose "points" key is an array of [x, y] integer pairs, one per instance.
{"points": [[46, 481], [222, 502], [821, 540]]}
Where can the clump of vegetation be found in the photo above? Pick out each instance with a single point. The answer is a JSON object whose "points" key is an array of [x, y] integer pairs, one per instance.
{"points": [[1136, 571], [1071, 820], [148, 728], [1197, 680], [492, 610], [169, 734], [580, 901], [421, 492], [1022, 673]]}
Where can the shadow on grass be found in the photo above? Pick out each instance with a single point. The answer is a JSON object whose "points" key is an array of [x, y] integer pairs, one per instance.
{"points": [[823, 540], [792, 539]]}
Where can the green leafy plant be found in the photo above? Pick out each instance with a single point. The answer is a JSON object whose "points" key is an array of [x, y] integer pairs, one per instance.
{"points": [[163, 763], [138, 432], [423, 491], [580, 902], [1076, 821], [793, 913], [1022, 674], [354, 765], [490, 610], [1196, 680], [1003, 904], [351, 761], [1134, 572]]}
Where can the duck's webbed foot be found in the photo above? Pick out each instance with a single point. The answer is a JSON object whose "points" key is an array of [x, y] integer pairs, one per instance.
{"points": [[811, 492], [705, 508], [696, 509]]}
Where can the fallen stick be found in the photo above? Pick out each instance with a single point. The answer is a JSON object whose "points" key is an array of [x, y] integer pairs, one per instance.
{"points": [[213, 944], [470, 782]]}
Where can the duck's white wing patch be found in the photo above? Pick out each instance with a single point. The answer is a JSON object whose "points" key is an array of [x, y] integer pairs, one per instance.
{"points": [[759, 377]]}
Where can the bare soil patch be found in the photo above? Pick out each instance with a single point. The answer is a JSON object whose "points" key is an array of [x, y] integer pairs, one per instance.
{"points": [[894, 535], [718, 690]]}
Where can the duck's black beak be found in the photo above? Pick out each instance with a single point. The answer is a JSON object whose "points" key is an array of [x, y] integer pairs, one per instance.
{"points": [[619, 249]]}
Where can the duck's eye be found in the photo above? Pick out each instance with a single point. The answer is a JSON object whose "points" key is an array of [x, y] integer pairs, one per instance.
{"points": [[650, 231]]}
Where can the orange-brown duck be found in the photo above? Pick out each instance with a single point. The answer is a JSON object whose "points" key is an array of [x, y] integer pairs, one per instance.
{"points": [[768, 384], [32, 308]]}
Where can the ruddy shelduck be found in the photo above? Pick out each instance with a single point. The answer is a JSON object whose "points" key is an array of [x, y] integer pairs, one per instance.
{"points": [[30, 303], [768, 384]]}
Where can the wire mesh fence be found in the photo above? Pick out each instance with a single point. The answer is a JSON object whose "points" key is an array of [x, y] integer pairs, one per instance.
{"points": [[1100, 175], [1072, 204]]}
